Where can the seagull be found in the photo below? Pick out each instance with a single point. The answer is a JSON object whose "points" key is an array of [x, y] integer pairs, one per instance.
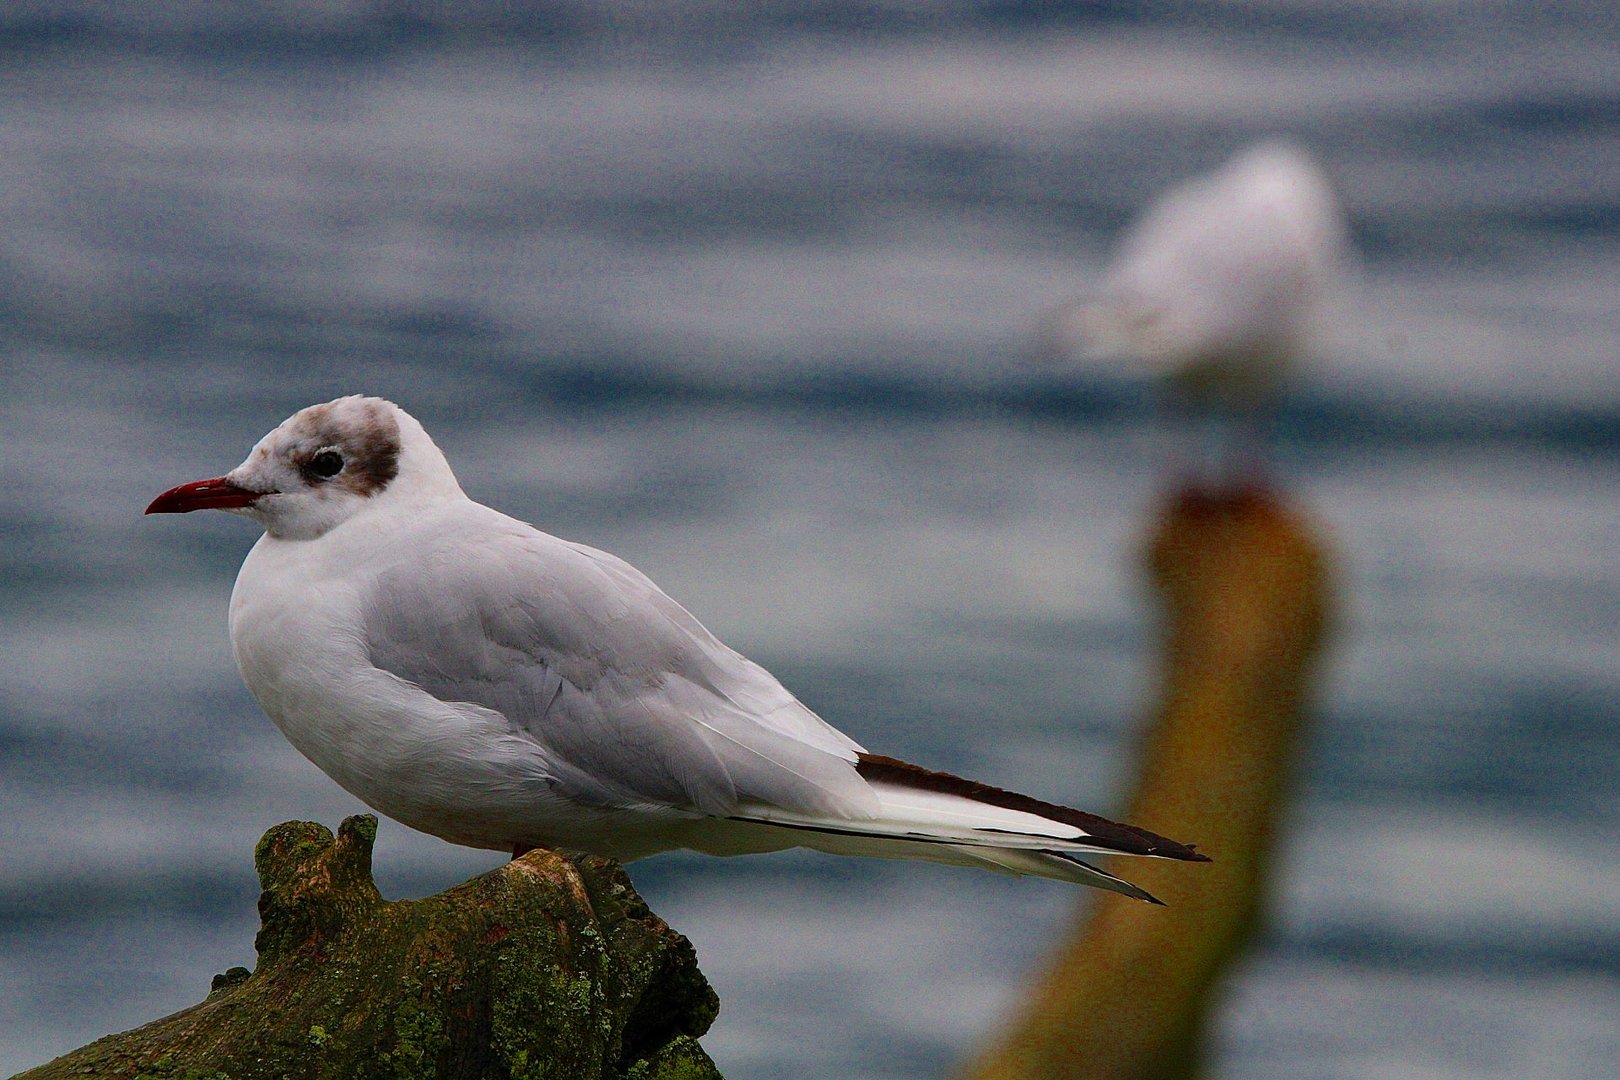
{"points": [[1222, 286], [484, 682]]}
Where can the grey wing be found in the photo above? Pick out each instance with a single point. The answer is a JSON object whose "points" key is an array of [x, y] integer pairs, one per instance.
{"points": [[626, 696]]}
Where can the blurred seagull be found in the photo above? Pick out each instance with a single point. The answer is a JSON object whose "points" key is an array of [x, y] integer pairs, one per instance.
{"points": [[1222, 285], [497, 687]]}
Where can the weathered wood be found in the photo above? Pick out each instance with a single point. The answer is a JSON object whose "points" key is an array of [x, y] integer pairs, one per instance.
{"points": [[551, 966], [1246, 598]]}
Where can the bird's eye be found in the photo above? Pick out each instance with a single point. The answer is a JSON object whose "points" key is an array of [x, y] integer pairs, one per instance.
{"points": [[326, 464]]}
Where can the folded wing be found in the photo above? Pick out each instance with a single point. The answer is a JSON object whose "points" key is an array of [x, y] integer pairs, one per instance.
{"points": [[627, 697]]}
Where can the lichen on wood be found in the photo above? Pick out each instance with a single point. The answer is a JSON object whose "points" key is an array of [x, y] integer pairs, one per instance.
{"points": [[549, 967]]}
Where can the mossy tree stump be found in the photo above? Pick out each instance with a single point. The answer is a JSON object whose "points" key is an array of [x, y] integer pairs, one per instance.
{"points": [[551, 966]]}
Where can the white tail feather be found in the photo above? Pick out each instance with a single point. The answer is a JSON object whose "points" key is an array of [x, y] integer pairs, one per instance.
{"points": [[941, 826]]}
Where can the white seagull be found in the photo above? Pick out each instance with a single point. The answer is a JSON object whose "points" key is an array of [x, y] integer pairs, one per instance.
{"points": [[484, 682], [1226, 281]]}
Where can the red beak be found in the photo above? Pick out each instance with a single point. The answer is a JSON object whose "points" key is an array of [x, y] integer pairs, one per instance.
{"points": [[216, 494]]}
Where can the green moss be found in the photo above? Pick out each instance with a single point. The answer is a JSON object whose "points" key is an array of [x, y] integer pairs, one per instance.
{"points": [[681, 1059], [167, 1068], [286, 848], [362, 828], [542, 1021], [419, 1040]]}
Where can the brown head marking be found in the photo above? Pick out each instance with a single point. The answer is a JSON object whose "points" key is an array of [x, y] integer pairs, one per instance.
{"points": [[365, 436]]}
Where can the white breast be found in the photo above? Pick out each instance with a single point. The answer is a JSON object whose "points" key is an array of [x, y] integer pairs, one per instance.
{"points": [[452, 769]]}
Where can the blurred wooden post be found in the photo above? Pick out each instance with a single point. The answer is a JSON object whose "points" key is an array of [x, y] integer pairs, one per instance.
{"points": [[1245, 599]]}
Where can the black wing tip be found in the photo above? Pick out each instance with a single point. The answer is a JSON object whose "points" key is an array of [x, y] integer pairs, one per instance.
{"points": [[1161, 848], [1117, 836]]}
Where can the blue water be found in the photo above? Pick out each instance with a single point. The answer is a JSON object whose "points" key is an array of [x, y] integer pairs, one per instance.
{"points": [[748, 300]]}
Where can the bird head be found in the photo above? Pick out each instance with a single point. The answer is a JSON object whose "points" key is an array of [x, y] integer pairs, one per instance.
{"points": [[320, 467]]}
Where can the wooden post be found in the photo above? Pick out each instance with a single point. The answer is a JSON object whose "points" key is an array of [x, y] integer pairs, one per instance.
{"points": [[1245, 597], [550, 966]]}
